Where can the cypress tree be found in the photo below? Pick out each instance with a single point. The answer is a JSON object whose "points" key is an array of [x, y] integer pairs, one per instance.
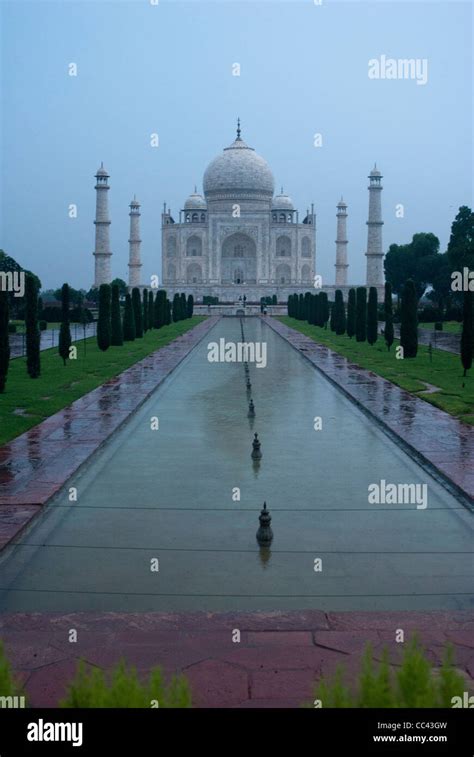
{"points": [[64, 331], [333, 317], [467, 336], [137, 312], [104, 326], [388, 307], [167, 312], [316, 310], [301, 307], [307, 305], [116, 331], [145, 311], [150, 311], [372, 316], [351, 314], [184, 310], [190, 306], [409, 320], [160, 309], [176, 308], [323, 309], [128, 320], [361, 314], [33, 363], [4, 340], [340, 313]]}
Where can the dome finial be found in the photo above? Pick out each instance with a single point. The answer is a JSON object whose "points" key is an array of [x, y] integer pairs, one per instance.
{"points": [[281, 192], [238, 128], [195, 189]]}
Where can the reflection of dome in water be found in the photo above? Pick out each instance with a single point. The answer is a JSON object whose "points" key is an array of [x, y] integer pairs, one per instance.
{"points": [[239, 169]]}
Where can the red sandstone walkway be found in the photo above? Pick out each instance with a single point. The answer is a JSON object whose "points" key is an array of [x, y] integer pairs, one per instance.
{"points": [[440, 442], [35, 465], [275, 664]]}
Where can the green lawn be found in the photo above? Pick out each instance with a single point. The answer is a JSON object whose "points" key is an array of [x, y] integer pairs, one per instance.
{"points": [[445, 371], [450, 327], [26, 402]]}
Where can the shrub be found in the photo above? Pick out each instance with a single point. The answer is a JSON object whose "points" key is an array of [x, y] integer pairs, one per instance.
{"points": [[372, 320], [104, 328], [12, 328], [409, 322], [150, 310], [414, 685], [361, 314], [323, 309], [64, 331], [43, 325], [33, 360], [116, 331], [128, 320], [137, 312], [176, 308], [340, 313], [351, 313], [438, 326], [183, 308], [9, 687], [190, 306], [145, 311], [467, 336], [124, 689], [159, 309], [388, 315]]}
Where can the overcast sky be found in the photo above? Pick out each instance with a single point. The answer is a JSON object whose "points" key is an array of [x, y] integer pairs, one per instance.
{"points": [[167, 68]]}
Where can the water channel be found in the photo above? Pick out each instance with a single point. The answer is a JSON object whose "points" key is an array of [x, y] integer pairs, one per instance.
{"points": [[167, 496]]}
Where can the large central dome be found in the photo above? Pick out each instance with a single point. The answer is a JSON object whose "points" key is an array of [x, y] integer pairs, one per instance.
{"points": [[238, 171]]}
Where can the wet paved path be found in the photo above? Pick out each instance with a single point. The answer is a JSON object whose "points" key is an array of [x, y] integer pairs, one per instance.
{"points": [[35, 465], [434, 438], [439, 340], [275, 664], [49, 339]]}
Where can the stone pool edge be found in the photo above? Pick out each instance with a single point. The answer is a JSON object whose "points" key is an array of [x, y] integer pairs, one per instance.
{"points": [[23, 496], [463, 490]]}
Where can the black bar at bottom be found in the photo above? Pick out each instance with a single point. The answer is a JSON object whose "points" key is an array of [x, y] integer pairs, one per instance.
{"points": [[324, 731]]}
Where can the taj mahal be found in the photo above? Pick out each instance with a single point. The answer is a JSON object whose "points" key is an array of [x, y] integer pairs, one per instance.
{"points": [[239, 237]]}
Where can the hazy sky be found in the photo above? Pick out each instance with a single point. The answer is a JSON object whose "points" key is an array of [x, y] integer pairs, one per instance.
{"points": [[167, 68]]}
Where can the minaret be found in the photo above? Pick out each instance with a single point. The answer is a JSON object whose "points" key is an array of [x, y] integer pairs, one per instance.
{"points": [[375, 275], [102, 254], [134, 263], [341, 244]]}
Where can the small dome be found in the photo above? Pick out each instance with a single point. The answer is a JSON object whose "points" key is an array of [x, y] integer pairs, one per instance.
{"points": [[134, 203], [375, 171], [195, 201], [282, 202]]}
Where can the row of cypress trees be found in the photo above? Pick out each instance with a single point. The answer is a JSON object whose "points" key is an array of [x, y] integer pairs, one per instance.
{"points": [[141, 314], [361, 319]]}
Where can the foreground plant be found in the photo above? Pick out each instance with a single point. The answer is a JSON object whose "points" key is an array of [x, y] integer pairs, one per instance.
{"points": [[414, 685], [125, 690], [9, 687]]}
